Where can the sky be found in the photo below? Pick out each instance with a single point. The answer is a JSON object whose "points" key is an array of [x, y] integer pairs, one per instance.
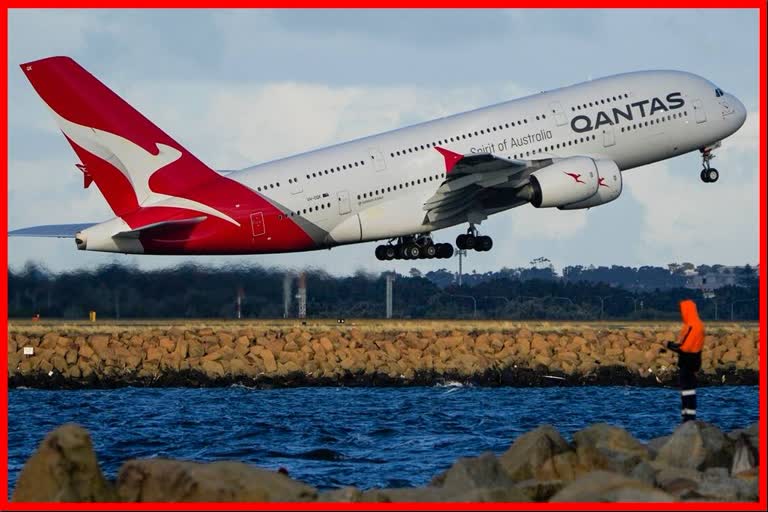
{"points": [[240, 87]]}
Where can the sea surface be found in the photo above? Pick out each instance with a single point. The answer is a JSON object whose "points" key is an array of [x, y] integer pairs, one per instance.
{"points": [[333, 437]]}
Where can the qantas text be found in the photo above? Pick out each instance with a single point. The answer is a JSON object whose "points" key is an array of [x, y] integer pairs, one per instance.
{"points": [[638, 109]]}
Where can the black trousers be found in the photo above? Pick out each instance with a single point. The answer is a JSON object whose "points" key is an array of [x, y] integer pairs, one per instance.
{"points": [[688, 364]]}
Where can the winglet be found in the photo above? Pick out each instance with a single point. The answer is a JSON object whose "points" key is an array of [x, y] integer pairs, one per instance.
{"points": [[451, 158]]}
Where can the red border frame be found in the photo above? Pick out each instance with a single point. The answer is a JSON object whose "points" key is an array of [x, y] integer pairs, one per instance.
{"points": [[759, 505]]}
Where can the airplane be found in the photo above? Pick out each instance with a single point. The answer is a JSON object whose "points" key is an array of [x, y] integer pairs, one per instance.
{"points": [[566, 148]]}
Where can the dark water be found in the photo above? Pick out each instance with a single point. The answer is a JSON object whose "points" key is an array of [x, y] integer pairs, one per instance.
{"points": [[331, 437]]}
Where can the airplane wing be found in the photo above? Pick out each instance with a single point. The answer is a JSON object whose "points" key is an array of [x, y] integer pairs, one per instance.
{"points": [[52, 230], [478, 182]]}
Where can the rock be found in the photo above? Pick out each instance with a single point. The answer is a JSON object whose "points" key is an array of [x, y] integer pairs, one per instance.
{"points": [[269, 360], [752, 432], [745, 456], [602, 446], [539, 490], [473, 472], [563, 466], [645, 472], [85, 351], [99, 342], [213, 369], [655, 444], [679, 482], [64, 468], [696, 445], [407, 494], [163, 480], [154, 354], [602, 486], [167, 344], [531, 450], [345, 494]]}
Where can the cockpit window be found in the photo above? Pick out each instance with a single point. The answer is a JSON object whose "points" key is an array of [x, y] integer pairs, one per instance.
{"points": [[719, 92]]}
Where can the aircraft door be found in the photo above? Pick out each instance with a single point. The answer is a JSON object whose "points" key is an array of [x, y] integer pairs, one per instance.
{"points": [[557, 110], [343, 199], [609, 138], [377, 159], [698, 110], [257, 224]]}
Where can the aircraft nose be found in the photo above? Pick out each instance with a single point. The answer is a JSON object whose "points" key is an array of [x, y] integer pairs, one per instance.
{"points": [[740, 114]]}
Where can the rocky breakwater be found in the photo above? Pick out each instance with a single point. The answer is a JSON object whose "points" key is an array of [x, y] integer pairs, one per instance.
{"points": [[697, 462], [479, 353]]}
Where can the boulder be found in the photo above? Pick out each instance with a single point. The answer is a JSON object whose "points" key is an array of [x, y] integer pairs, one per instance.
{"points": [[531, 450], [563, 467], [163, 480], [269, 360], [64, 468], [602, 446], [679, 482], [474, 472], [655, 444], [696, 445], [539, 490], [745, 455], [425, 494], [645, 472], [602, 486], [212, 369], [345, 494]]}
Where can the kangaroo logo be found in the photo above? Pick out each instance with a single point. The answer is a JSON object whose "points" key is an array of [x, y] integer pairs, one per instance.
{"points": [[601, 182], [576, 177], [136, 163]]}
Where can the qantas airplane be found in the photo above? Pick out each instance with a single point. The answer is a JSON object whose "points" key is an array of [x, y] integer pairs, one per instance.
{"points": [[565, 149]]}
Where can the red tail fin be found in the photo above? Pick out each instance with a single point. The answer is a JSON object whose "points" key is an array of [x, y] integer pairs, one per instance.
{"points": [[132, 161]]}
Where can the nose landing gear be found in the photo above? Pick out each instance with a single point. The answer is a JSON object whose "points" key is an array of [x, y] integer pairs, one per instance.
{"points": [[474, 241], [708, 174]]}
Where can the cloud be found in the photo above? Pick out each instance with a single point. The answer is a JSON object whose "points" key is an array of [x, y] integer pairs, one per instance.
{"points": [[687, 219]]}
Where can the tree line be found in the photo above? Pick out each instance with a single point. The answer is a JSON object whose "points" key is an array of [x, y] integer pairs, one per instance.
{"points": [[194, 291]]}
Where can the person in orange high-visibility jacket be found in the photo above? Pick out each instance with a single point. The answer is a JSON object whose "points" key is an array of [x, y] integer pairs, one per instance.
{"points": [[688, 349]]}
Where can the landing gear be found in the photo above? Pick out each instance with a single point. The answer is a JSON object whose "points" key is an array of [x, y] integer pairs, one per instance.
{"points": [[413, 248], [474, 241], [708, 174]]}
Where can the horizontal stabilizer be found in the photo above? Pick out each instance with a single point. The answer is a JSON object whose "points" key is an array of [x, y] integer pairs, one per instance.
{"points": [[135, 232], [52, 230]]}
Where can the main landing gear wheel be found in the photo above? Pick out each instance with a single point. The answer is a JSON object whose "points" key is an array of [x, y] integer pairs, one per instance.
{"points": [[473, 241], [710, 175], [412, 248], [484, 243]]}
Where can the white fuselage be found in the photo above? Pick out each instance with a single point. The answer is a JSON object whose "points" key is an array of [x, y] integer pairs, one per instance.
{"points": [[376, 187]]}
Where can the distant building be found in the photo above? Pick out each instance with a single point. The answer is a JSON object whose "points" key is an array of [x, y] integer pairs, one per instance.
{"points": [[718, 277]]}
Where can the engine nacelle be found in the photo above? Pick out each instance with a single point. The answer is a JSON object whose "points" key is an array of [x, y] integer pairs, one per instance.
{"points": [[609, 186], [567, 181]]}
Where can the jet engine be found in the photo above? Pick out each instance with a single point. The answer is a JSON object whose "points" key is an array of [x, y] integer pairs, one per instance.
{"points": [[609, 185], [575, 182]]}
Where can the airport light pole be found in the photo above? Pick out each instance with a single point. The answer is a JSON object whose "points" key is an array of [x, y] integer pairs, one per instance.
{"points": [[738, 301], [460, 253], [474, 302], [602, 303]]}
